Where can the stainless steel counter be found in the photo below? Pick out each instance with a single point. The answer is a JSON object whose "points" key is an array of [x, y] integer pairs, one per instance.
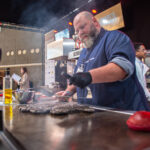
{"points": [[79, 131]]}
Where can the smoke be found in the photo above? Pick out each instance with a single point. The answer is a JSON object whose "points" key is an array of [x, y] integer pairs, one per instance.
{"points": [[43, 13], [65, 13], [36, 14], [46, 13]]}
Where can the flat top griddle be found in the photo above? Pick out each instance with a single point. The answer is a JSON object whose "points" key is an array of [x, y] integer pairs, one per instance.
{"points": [[77, 131]]}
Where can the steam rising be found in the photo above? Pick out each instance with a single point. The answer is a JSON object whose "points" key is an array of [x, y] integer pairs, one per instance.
{"points": [[44, 13], [48, 14]]}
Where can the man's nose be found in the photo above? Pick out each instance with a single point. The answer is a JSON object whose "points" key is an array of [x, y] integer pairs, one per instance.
{"points": [[80, 33]]}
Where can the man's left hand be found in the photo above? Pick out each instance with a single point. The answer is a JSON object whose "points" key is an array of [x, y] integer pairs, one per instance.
{"points": [[81, 79]]}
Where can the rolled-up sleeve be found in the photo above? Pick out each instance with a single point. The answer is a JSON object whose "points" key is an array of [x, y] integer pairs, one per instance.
{"points": [[125, 64], [120, 51]]}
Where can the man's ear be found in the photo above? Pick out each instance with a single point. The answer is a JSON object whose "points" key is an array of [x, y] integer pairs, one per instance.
{"points": [[137, 53], [95, 21]]}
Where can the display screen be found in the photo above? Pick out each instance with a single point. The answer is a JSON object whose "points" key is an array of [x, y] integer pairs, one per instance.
{"points": [[62, 34]]}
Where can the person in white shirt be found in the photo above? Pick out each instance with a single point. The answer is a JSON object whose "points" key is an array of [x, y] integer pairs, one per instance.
{"points": [[141, 68]]}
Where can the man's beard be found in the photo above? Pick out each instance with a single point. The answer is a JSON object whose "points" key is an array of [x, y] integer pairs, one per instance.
{"points": [[88, 43]]}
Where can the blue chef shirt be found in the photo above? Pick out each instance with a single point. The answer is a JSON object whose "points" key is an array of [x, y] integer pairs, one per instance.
{"points": [[127, 94]]}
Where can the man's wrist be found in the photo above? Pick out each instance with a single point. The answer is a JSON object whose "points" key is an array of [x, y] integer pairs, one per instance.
{"points": [[69, 93]]}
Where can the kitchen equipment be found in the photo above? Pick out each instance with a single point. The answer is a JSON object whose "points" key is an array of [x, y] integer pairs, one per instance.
{"points": [[23, 97]]}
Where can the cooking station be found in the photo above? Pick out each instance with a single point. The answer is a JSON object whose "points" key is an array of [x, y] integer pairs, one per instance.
{"points": [[103, 129]]}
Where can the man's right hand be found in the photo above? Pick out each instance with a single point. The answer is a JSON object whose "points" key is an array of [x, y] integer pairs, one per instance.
{"points": [[60, 93], [63, 95], [70, 90]]}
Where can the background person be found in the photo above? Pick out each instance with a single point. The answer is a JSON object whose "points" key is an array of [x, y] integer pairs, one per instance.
{"points": [[24, 82], [141, 68]]}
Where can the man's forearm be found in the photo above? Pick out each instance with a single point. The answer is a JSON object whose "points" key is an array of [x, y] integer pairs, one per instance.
{"points": [[108, 73]]}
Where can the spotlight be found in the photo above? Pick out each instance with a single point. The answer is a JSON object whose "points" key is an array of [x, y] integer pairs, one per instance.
{"points": [[55, 31], [94, 11], [70, 23]]}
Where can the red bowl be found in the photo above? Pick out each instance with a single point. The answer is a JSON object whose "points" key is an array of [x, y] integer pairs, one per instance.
{"points": [[140, 120]]}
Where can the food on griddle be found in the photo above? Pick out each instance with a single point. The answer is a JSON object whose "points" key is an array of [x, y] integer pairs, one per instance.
{"points": [[63, 108], [70, 107], [38, 107], [24, 108], [40, 111], [55, 108], [85, 109]]}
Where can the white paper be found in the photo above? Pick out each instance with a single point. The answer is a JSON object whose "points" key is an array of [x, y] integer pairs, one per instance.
{"points": [[16, 77], [49, 72]]}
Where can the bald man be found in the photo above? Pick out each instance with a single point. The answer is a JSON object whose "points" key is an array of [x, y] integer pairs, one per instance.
{"points": [[105, 68]]}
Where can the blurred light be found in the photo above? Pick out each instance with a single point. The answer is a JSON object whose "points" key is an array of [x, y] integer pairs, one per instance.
{"points": [[37, 50], [94, 11], [0, 23], [70, 23], [12, 53], [32, 51], [19, 52], [75, 9], [105, 21], [55, 31], [89, 1], [24, 51], [8, 53]]}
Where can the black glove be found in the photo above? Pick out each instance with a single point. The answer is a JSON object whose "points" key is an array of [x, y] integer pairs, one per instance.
{"points": [[81, 79]]}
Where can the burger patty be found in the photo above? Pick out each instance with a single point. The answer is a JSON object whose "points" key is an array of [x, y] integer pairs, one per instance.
{"points": [[55, 108]]}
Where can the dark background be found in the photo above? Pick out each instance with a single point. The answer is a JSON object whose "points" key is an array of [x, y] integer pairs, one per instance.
{"points": [[42, 13], [55, 14], [137, 20]]}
